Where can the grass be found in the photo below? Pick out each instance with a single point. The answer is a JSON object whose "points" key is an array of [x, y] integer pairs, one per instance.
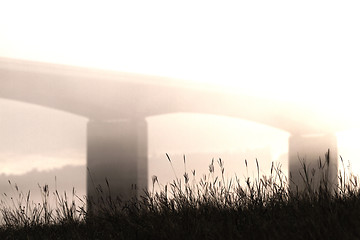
{"points": [[212, 208]]}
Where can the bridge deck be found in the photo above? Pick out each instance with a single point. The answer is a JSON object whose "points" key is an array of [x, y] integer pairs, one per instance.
{"points": [[107, 95]]}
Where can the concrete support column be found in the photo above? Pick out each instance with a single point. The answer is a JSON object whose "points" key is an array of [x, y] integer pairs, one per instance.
{"points": [[310, 149], [116, 151]]}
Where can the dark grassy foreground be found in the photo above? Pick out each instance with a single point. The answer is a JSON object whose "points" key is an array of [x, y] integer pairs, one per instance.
{"points": [[212, 208]]}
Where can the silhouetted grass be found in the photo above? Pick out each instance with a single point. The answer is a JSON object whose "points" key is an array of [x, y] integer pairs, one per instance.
{"points": [[212, 208]]}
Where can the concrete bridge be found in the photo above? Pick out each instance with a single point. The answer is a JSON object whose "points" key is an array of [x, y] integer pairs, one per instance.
{"points": [[117, 105]]}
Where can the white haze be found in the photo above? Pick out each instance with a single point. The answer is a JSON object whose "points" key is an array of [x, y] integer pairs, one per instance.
{"points": [[303, 52]]}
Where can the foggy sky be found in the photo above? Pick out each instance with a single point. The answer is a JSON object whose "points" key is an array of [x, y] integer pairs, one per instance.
{"points": [[306, 51]]}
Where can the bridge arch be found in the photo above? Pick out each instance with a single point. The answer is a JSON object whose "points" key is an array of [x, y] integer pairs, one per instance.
{"points": [[117, 104]]}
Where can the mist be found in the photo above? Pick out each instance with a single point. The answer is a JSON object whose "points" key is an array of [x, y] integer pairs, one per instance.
{"points": [[202, 80]]}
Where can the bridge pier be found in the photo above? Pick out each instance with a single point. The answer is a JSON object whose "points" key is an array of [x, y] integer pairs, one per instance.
{"points": [[310, 149], [116, 151]]}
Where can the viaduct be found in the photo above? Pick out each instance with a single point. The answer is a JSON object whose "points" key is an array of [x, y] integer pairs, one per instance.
{"points": [[117, 105]]}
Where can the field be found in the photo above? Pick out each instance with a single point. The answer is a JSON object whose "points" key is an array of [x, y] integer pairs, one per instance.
{"points": [[212, 208]]}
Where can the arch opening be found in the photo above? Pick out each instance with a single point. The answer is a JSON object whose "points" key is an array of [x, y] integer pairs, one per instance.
{"points": [[37, 144], [202, 137]]}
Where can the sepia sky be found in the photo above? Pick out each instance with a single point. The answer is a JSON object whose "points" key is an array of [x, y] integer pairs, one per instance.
{"points": [[305, 52]]}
